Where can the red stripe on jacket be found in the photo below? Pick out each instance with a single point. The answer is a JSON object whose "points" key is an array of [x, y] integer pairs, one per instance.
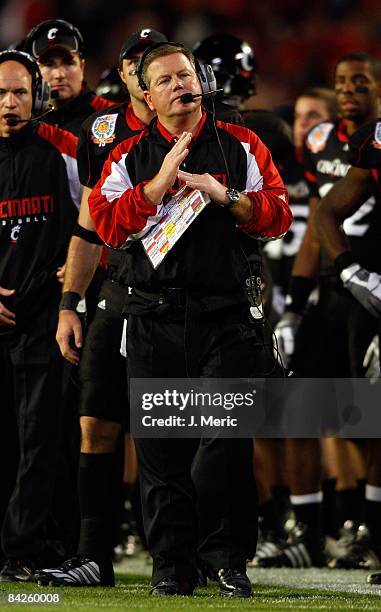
{"points": [[62, 140]]}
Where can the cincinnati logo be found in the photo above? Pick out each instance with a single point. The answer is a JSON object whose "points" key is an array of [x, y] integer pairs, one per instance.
{"points": [[298, 190], [334, 167], [52, 33], [145, 33], [15, 233], [25, 208]]}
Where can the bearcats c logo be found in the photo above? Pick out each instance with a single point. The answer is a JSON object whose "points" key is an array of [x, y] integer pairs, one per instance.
{"points": [[15, 233], [144, 33], [52, 33]]}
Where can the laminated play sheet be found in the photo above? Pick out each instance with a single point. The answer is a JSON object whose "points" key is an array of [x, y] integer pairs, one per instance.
{"points": [[179, 213]]}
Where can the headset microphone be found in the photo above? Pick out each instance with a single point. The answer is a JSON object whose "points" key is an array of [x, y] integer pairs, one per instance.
{"points": [[13, 121], [188, 97]]}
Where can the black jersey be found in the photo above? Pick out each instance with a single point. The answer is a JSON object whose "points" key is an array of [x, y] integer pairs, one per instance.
{"points": [[365, 148], [326, 160], [281, 253], [40, 195], [71, 115], [99, 134]]}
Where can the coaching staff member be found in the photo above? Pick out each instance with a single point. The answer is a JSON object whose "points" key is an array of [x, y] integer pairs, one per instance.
{"points": [[201, 279], [40, 194], [58, 46]]}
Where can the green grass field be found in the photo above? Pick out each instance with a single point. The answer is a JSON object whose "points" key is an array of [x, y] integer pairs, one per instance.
{"points": [[273, 590]]}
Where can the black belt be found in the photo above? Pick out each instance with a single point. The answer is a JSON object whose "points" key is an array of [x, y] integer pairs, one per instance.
{"points": [[174, 296]]}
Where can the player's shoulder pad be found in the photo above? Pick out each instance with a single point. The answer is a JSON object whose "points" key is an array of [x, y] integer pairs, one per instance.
{"points": [[317, 138]]}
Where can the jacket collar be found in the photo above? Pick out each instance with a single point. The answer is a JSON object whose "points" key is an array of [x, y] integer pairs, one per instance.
{"points": [[161, 130]]}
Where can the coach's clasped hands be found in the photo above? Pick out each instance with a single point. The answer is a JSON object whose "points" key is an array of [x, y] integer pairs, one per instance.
{"points": [[206, 183]]}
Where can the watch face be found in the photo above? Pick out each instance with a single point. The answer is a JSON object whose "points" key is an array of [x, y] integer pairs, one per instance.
{"points": [[233, 195]]}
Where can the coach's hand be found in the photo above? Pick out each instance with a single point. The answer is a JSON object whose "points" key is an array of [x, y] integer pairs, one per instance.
{"points": [[69, 326], [217, 192], [206, 183], [156, 189], [365, 286], [7, 317]]}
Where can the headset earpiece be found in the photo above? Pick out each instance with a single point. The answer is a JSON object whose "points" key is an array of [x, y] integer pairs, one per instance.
{"points": [[206, 77], [41, 98]]}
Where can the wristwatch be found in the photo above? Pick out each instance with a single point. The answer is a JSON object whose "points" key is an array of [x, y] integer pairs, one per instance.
{"points": [[233, 197]]}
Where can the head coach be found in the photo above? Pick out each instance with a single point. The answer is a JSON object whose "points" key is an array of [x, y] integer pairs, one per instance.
{"points": [[189, 316]]}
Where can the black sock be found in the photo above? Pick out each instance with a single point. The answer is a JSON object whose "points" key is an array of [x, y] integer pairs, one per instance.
{"points": [[98, 475], [372, 519], [349, 504], [330, 519], [270, 519], [310, 515], [281, 497]]}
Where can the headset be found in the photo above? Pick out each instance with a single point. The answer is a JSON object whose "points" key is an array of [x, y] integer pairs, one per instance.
{"points": [[40, 88], [204, 71], [51, 23]]}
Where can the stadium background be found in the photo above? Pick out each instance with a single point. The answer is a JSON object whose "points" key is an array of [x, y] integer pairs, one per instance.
{"points": [[296, 42]]}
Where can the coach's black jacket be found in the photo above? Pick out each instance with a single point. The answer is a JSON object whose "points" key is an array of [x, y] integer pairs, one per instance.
{"points": [[40, 195], [212, 256]]}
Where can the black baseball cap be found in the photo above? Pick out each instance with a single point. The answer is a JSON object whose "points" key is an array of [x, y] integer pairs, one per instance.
{"points": [[139, 41], [53, 34]]}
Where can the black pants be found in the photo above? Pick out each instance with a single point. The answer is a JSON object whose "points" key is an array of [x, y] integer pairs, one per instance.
{"points": [[31, 366], [103, 369], [212, 515]]}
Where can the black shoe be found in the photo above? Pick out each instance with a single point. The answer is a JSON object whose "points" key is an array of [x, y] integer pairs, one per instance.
{"points": [[363, 553], [234, 583], [374, 578], [77, 572], [17, 570], [301, 550], [171, 586]]}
